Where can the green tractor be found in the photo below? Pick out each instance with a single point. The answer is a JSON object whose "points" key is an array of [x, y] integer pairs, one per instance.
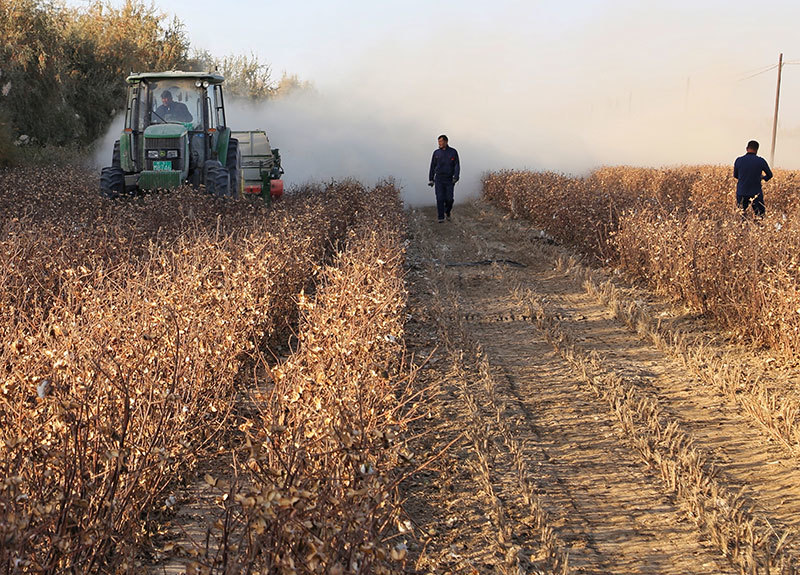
{"points": [[175, 132]]}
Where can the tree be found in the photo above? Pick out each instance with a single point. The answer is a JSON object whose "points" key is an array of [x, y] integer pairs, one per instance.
{"points": [[31, 54], [246, 77], [62, 70], [290, 84], [105, 45]]}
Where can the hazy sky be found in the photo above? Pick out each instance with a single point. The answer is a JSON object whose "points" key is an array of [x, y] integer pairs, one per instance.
{"points": [[546, 85]]}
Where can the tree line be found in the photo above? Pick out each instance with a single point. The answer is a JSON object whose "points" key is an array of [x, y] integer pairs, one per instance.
{"points": [[62, 69]]}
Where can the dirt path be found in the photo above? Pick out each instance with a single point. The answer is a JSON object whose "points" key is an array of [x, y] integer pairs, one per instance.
{"points": [[577, 445]]}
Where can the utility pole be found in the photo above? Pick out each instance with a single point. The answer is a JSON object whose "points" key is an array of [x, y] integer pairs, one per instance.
{"points": [[775, 118]]}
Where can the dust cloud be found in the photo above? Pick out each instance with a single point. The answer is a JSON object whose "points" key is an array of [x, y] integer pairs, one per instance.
{"points": [[526, 85], [630, 85], [103, 149], [332, 136]]}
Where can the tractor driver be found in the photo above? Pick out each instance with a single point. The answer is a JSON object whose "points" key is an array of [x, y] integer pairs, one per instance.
{"points": [[172, 111]]}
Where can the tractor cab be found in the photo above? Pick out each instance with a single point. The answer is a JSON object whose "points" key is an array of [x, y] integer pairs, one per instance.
{"points": [[194, 100]]}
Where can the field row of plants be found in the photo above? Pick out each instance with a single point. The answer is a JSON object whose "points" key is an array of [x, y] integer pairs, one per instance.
{"points": [[125, 330], [317, 488], [679, 231]]}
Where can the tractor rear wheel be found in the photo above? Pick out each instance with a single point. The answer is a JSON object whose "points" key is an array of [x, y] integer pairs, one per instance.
{"points": [[112, 182], [233, 163], [217, 179]]}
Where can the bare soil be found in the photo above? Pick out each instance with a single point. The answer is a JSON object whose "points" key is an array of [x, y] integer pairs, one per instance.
{"points": [[534, 471]]}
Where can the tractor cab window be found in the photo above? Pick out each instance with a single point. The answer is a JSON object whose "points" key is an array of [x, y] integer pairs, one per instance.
{"points": [[176, 101]]}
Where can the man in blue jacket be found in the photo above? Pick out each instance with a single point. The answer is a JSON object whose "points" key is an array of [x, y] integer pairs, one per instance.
{"points": [[750, 170], [444, 173]]}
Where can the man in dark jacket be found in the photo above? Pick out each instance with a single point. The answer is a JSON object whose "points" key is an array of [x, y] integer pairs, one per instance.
{"points": [[750, 170], [444, 173], [172, 111]]}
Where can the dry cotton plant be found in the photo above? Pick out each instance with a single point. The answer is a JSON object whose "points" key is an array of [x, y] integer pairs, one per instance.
{"points": [[678, 230], [123, 328], [317, 487]]}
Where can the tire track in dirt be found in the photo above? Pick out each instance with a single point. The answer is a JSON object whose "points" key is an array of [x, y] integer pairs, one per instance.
{"points": [[465, 508], [603, 497], [612, 513], [741, 452]]}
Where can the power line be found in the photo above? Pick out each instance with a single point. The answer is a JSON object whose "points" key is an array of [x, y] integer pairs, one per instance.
{"points": [[755, 70], [764, 71]]}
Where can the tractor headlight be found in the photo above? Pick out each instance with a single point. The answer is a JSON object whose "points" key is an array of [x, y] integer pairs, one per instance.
{"points": [[152, 154], [172, 153]]}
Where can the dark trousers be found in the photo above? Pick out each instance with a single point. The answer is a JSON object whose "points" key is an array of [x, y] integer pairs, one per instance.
{"points": [[444, 198], [757, 201]]}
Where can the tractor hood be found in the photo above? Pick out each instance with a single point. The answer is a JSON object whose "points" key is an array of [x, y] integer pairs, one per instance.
{"points": [[165, 131]]}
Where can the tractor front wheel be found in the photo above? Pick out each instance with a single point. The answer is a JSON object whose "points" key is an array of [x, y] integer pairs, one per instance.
{"points": [[112, 182], [233, 163], [217, 179]]}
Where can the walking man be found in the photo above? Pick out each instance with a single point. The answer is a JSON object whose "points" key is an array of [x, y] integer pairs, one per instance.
{"points": [[749, 170], [444, 172]]}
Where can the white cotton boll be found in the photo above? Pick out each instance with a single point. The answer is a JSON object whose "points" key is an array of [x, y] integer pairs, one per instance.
{"points": [[43, 388]]}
